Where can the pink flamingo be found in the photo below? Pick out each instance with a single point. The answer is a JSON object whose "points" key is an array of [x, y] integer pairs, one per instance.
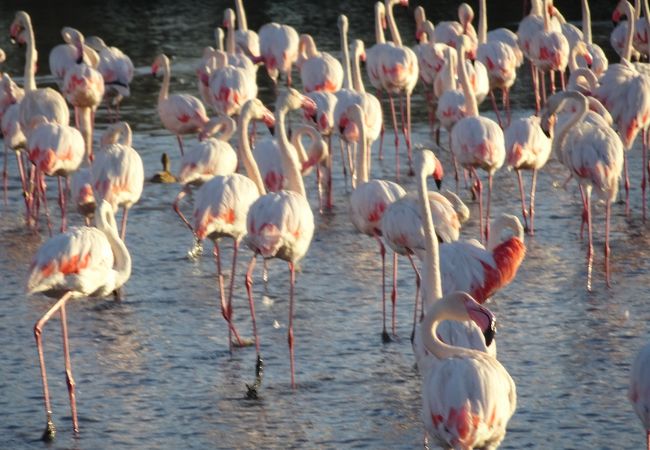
{"points": [[447, 32], [593, 152], [55, 150], [477, 142], [222, 205], [527, 148], [619, 34], [117, 70], [625, 92], [118, 172], [278, 50], [599, 62], [10, 97], [179, 113], [230, 86], [468, 396], [83, 87], [236, 57], [639, 390], [316, 155], [319, 71], [368, 201], [64, 56], [247, 40], [82, 262], [280, 225]]}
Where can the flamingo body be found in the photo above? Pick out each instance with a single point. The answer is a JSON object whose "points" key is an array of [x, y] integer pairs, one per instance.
{"points": [[206, 159], [55, 149]]}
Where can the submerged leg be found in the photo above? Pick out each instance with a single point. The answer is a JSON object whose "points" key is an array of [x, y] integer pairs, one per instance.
{"points": [[382, 252]]}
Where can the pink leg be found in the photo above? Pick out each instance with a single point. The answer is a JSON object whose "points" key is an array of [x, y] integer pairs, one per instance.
{"points": [[50, 429], [292, 278], [68, 369], [533, 76], [26, 193], [590, 250], [551, 76], [453, 163], [177, 209], [496, 108], [231, 288], [226, 309], [562, 80], [523, 200], [506, 95], [644, 176], [479, 193], [584, 212], [259, 366], [345, 171], [393, 294], [392, 111], [543, 87], [607, 250], [532, 203], [330, 198], [125, 213], [487, 213], [408, 134], [381, 134], [5, 178], [627, 185], [382, 252], [62, 204], [41, 184], [418, 282], [180, 143]]}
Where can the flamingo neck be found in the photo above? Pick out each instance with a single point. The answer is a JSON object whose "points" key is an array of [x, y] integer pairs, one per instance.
{"points": [[380, 17], [547, 25], [228, 127], [230, 38], [245, 148], [362, 154], [482, 22], [394, 32], [357, 82], [434, 314], [31, 56], [241, 15], [315, 152], [627, 49], [218, 36], [471, 106], [290, 164], [431, 281], [578, 115], [429, 29], [587, 74], [106, 223], [535, 8], [586, 22], [501, 224], [573, 59], [637, 10], [347, 82], [164, 88]]}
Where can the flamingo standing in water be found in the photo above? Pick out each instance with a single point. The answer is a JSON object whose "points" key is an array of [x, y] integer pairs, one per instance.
{"points": [[368, 201], [81, 262], [247, 40], [83, 87], [477, 142], [527, 148], [179, 113], [319, 71], [118, 172], [278, 50], [639, 390], [64, 56], [222, 205], [593, 152], [280, 224]]}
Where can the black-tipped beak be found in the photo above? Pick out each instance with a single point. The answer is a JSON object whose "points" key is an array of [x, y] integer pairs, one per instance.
{"points": [[80, 60], [272, 130], [490, 332], [438, 183], [342, 130]]}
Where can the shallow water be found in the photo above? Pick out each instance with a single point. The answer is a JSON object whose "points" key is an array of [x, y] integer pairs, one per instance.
{"points": [[154, 370]]}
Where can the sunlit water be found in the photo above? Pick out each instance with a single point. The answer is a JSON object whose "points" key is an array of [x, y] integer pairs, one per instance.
{"points": [[153, 371]]}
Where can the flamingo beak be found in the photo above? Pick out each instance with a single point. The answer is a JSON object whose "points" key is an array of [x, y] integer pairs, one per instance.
{"points": [[154, 70], [309, 106], [438, 174], [482, 317]]}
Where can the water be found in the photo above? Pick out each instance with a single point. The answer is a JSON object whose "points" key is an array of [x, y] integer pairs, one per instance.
{"points": [[154, 370]]}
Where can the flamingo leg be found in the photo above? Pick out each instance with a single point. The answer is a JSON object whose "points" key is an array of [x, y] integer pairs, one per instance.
{"points": [[226, 310], [231, 288], [455, 164], [259, 366], [42, 187], [62, 204], [382, 252], [50, 429], [5, 177], [330, 198], [607, 250], [590, 250], [418, 282], [543, 87], [319, 189], [506, 96], [292, 279], [533, 76], [523, 199], [394, 116], [380, 155], [487, 213], [496, 108], [393, 295], [125, 214], [177, 209], [479, 191], [551, 77], [23, 183], [408, 134], [345, 171], [532, 203], [68, 369], [562, 80], [179, 138], [584, 212], [644, 170], [626, 184]]}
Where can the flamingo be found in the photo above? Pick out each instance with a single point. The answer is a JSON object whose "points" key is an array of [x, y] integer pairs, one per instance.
{"points": [[179, 113], [64, 56], [117, 70], [477, 142], [278, 50], [468, 397], [230, 86], [55, 150], [368, 201], [118, 173], [625, 92], [447, 32], [618, 36], [317, 155], [247, 40], [527, 148], [83, 88], [599, 63], [639, 390], [222, 204], [594, 154], [10, 96], [165, 175], [82, 194], [319, 71], [81, 262], [280, 224]]}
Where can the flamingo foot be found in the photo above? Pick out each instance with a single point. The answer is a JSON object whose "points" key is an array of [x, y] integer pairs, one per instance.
{"points": [[50, 431], [243, 342], [251, 392], [385, 337], [196, 250]]}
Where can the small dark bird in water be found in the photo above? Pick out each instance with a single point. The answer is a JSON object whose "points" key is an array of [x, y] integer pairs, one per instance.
{"points": [[165, 176]]}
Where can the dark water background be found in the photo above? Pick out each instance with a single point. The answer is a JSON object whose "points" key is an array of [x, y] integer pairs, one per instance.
{"points": [[154, 370]]}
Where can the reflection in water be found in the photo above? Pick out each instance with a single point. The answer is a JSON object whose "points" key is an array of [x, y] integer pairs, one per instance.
{"points": [[154, 371]]}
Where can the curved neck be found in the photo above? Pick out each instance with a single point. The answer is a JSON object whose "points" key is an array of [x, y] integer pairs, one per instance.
{"points": [[573, 58], [227, 128], [627, 49], [429, 29], [30, 57], [241, 15], [308, 46], [245, 149], [315, 152], [394, 32], [587, 75], [482, 22], [347, 82], [122, 266], [431, 281], [586, 21], [501, 224], [578, 115], [357, 82], [379, 23], [471, 107], [637, 10], [290, 164], [164, 88], [430, 338]]}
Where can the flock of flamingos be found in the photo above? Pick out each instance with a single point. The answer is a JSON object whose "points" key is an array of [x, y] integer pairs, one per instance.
{"points": [[588, 123]]}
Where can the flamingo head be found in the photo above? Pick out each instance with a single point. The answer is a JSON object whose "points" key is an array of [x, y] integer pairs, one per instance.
{"points": [[18, 28], [482, 317], [292, 99], [229, 18], [349, 129], [160, 63], [404, 3], [438, 174], [466, 15]]}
